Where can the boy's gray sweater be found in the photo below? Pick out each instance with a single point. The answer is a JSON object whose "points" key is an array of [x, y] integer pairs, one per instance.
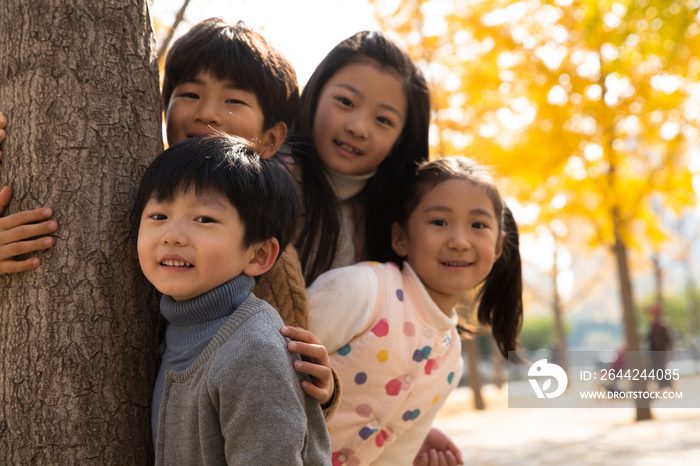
{"points": [[241, 401]]}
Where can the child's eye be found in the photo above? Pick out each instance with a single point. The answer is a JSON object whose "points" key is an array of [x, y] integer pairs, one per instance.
{"points": [[157, 217], [479, 225], [190, 95], [204, 220], [345, 101], [385, 121], [236, 102], [438, 222]]}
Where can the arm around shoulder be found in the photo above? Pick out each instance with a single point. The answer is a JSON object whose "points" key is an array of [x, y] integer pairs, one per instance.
{"points": [[283, 288]]}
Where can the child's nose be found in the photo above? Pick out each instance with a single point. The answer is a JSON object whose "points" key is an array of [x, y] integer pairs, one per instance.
{"points": [[208, 112], [459, 240], [175, 236], [357, 127]]}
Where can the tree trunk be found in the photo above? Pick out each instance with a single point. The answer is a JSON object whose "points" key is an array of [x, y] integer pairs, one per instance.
{"points": [[171, 31], [560, 344], [472, 350], [497, 364], [620, 250], [658, 278], [692, 306], [79, 83]]}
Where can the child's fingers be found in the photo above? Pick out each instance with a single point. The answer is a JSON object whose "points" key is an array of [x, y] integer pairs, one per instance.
{"points": [[13, 266], [8, 251], [300, 334], [318, 371], [457, 454], [437, 458], [421, 460], [319, 394], [13, 236], [27, 217], [317, 352], [452, 450], [3, 122], [5, 196], [451, 459]]}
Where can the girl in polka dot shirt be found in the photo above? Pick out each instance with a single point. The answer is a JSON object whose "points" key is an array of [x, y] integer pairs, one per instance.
{"points": [[392, 329]]}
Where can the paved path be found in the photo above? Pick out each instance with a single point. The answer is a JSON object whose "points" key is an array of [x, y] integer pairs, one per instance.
{"points": [[567, 436]]}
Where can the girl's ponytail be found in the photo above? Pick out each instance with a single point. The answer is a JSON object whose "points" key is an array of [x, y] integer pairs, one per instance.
{"points": [[500, 297]]}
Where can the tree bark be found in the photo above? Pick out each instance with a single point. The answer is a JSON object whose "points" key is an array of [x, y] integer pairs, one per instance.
{"points": [[620, 250], [79, 83]]}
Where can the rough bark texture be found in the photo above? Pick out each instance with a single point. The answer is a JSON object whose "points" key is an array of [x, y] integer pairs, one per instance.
{"points": [[79, 82]]}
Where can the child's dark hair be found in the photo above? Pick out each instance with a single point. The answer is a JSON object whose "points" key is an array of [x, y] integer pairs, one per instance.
{"points": [[317, 242], [264, 193], [240, 55], [500, 294]]}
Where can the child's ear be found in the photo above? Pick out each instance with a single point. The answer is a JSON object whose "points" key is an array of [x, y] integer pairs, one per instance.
{"points": [[398, 240], [499, 245], [264, 255], [272, 139]]}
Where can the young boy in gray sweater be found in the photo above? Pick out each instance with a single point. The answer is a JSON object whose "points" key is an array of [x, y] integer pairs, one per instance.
{"points": [[212, 215]]}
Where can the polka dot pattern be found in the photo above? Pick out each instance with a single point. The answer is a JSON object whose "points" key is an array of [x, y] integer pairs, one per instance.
{"points": [[381, 329], [401, 340], [366, 433], [364, 410], [429, 366], [381, 438]]}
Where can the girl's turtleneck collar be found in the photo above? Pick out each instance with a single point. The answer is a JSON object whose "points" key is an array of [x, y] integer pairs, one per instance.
{"points": [[346, 186]]}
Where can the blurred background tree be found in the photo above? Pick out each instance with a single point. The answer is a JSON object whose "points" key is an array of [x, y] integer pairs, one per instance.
{"points": [[589, 108]]}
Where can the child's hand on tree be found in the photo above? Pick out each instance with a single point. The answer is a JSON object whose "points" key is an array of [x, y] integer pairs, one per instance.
{"points": [[438, 450], [16, 228], [315, 362], [3, 123]]}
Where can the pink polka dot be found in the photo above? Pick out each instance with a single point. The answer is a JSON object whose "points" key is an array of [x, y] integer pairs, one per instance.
{"points": [[393, 387], [381, 329], [364, 410], [380, 439], [391, 263], [409, 329]]}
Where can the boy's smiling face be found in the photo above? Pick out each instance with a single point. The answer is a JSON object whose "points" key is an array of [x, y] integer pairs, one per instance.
{"points": [[207, 105], [192, 244]]}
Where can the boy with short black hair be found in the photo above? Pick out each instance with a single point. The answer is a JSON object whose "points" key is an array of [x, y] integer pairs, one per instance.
{"points": [[212, 215], [218, 66]]}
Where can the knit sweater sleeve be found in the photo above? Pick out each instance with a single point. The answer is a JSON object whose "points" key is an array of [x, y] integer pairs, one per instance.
{"points": [[283, 288], [341, 304]]}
